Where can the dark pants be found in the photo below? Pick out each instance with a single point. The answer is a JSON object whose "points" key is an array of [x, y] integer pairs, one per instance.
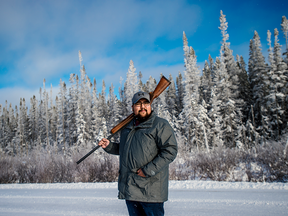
{"points": [[144, 208]]}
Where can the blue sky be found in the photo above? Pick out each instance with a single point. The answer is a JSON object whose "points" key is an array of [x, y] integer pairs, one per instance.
{"points": [[41, 39]]}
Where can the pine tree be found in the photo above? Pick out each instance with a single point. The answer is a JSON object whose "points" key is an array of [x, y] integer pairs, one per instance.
{"points": [[72, 108], [245, 92], [140, 83], [103, 109], [88, 110], [130, 87], [185, 48], [216, 119], [258, 80], [113, 109], [161, 107], [46, 113], [33, 120], [62, 119], [41, 121], [1, 131], [150, 85], [10, 131], [206, 83], [171, 98], [277, 89], [180, 93], [227, 88], [22, 131], [95, 123], [205, 122], [284, 28], [191, 99]]}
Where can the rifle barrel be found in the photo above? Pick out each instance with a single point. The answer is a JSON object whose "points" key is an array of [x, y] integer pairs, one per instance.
{"points": [[94, 149], [162, 85]]}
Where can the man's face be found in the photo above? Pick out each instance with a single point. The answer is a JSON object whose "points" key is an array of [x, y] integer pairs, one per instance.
{"points": [[142, 109]]}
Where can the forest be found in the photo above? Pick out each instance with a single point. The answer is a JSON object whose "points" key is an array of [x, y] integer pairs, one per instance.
{"points": [[230, 120]]}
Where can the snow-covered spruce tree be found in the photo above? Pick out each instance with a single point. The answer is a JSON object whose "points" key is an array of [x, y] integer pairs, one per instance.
{"points": [[227, 107], [103, 111], [12, 124], [62, 116], [33, 120], [140, 83], [150, 85], [41, 122], [216, 137], [46, 114], [172, 106], [103, 108], [26, 126], [20, 134], [205, 123], [5, 128], [114, 116], [206, 83], [88, 110], [253, 137], [244, 87], [277, 89], [180, 93], [130, 88], [80, 122], [216, 119], [2, 137], [84, 103], [171, 97], [191, 84], [1, 131], [161, 107], [53, 115], [122, 105], [186, 48], [54, 122], [270, 97], [284, 28], [227, 88], [258, 79], [9, 128], [72, 109], [95, 123]]}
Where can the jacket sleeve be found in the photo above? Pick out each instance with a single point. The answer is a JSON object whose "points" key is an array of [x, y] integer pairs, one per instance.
{"points": [[112, 148], [167, 150]]}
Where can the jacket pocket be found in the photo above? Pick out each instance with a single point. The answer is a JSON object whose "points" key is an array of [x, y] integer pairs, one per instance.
{"points": [[137, 186], [144, 189]]}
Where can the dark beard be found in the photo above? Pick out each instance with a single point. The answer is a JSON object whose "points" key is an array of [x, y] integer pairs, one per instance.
{"points": [[142, 119]]}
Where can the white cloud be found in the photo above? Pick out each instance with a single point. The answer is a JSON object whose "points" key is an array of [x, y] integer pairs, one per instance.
{"points": [[13, 95], [41, 39]]}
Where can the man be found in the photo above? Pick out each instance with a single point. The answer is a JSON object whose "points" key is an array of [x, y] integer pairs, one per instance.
{"points": [[147, 146]]}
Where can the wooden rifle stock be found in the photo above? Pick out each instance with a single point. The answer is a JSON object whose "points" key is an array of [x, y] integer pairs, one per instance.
{"points": [[162, 85]]}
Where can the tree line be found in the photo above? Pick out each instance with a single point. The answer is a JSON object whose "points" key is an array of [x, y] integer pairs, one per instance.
{"points": [[228, 103]]}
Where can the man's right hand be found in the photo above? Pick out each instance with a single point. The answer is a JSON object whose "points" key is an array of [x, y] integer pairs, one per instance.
{"points": [[104, 143]]}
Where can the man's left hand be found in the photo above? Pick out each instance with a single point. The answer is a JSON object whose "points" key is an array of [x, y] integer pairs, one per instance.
{"points": [[140, 173]]}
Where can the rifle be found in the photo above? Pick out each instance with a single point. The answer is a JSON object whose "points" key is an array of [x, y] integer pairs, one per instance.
{"points": [[162, 85]]}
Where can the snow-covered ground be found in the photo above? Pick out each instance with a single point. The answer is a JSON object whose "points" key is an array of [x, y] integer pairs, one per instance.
{"points": [[185, 198]]}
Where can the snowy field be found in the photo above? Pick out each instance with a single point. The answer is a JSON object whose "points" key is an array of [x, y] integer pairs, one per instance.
{"points": [[185, 198]]}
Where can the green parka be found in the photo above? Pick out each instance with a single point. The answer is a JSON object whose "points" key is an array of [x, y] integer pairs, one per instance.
{"points": [[150, 146]]}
